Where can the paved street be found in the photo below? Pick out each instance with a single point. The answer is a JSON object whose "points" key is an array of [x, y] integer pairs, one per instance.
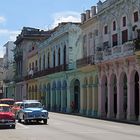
{"points": [[69, 127]]}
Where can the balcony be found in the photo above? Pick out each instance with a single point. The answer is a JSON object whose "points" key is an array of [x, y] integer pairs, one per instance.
{"points": [[118, 51], [137, 44], [46, 72], [85, 61]]}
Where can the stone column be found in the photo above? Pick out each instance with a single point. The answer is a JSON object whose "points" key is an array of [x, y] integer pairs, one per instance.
{"points": [[88, 101], [69, 99], [130, 101], [94, 100], [110, 113], [101, 101], [120, 100]]}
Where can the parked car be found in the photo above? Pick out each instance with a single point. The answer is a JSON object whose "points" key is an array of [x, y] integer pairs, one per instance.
{"points": [[9, 101], [16, 107], [32, 110], [7, 118]]}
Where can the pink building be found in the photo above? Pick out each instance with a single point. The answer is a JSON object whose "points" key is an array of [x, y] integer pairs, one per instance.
{"points": [[117, 60]]}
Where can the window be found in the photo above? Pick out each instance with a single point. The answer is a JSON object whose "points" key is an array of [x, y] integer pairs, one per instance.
{"points": [[33, 66], [114, 40], [124, 36], [44, 62], [114, 25], [48, 60], [105, 45], [105, 30], [124, 21], [59, 57], [54, 59], [64, 55], [136, 16]]}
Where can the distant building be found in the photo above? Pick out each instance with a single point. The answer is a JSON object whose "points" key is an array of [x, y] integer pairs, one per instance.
{"points": [[24, 44], [8, 67], [1, 77]]}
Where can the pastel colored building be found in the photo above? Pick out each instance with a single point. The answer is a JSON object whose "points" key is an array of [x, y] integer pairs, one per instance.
{"points": [[24, 44], [118, 66]]}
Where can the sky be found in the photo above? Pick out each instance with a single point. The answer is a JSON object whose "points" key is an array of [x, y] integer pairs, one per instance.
{"points": [[42, 14]]}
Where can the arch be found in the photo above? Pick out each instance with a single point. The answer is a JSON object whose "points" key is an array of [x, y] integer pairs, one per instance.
{"points": [[104, 94], [40, 64], [134, 78], [32, 94], [29, 93], [75, 95], [123, 93], [48, 96], [36, 92], [59, 58], [64, 96], [54, 59], [53, 100], [59, 96], [48, 60], [113, 94], [64, 57], [44, 62]]}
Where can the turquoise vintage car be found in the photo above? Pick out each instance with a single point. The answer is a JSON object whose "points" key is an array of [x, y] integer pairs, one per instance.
{"points": [[32, 110]]}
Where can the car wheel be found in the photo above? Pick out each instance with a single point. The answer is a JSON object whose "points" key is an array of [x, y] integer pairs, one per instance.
{"points": [[19, 120], [13, 126], [25, 121], [45, 121]]}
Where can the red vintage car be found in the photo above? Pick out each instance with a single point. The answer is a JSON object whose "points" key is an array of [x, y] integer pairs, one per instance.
{"points": [[7, 118]]}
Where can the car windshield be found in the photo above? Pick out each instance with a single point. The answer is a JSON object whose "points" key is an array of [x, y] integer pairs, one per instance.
{"points": [[33, 105], [7, 102], [4, 109]]}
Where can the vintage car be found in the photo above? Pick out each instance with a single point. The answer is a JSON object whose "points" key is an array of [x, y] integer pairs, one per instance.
{"points": [[7, 118], [16, 107], [9, 101], [32, 110]]}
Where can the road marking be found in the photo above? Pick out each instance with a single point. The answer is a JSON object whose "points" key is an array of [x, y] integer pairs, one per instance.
{"points": [[22, 126]]}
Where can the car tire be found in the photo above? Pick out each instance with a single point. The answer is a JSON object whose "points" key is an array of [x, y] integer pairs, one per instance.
{"points": [[19, 120], [13, 126], [45, 121]]}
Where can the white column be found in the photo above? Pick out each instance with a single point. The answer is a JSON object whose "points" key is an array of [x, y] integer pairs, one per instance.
{"points": [[110, 113], [120, 100], [101, 101], [81, 100], [130, 101]]}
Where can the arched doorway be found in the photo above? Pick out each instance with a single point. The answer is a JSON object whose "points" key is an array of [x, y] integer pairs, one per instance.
{"points": [[48, 96], [77, 95], [115, 94], [136, 96], [53, 106], [125, 95], [85, 86], [64, 97], [106, 95], [58, 96]]}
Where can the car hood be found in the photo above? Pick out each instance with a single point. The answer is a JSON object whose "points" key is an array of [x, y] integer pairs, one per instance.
{"points": [[34, 109], [6, 115]]}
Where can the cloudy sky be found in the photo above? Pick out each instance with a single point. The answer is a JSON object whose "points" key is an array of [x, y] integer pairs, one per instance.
{"points": [[43, 14]]}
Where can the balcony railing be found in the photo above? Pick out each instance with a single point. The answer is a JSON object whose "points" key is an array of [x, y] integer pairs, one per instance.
{"points": [[116, 51], [137, 44], [46, 72], [85, 61]]}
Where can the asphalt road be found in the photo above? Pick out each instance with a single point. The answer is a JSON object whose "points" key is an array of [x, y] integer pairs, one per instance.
{"points": [[69, 127]]}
